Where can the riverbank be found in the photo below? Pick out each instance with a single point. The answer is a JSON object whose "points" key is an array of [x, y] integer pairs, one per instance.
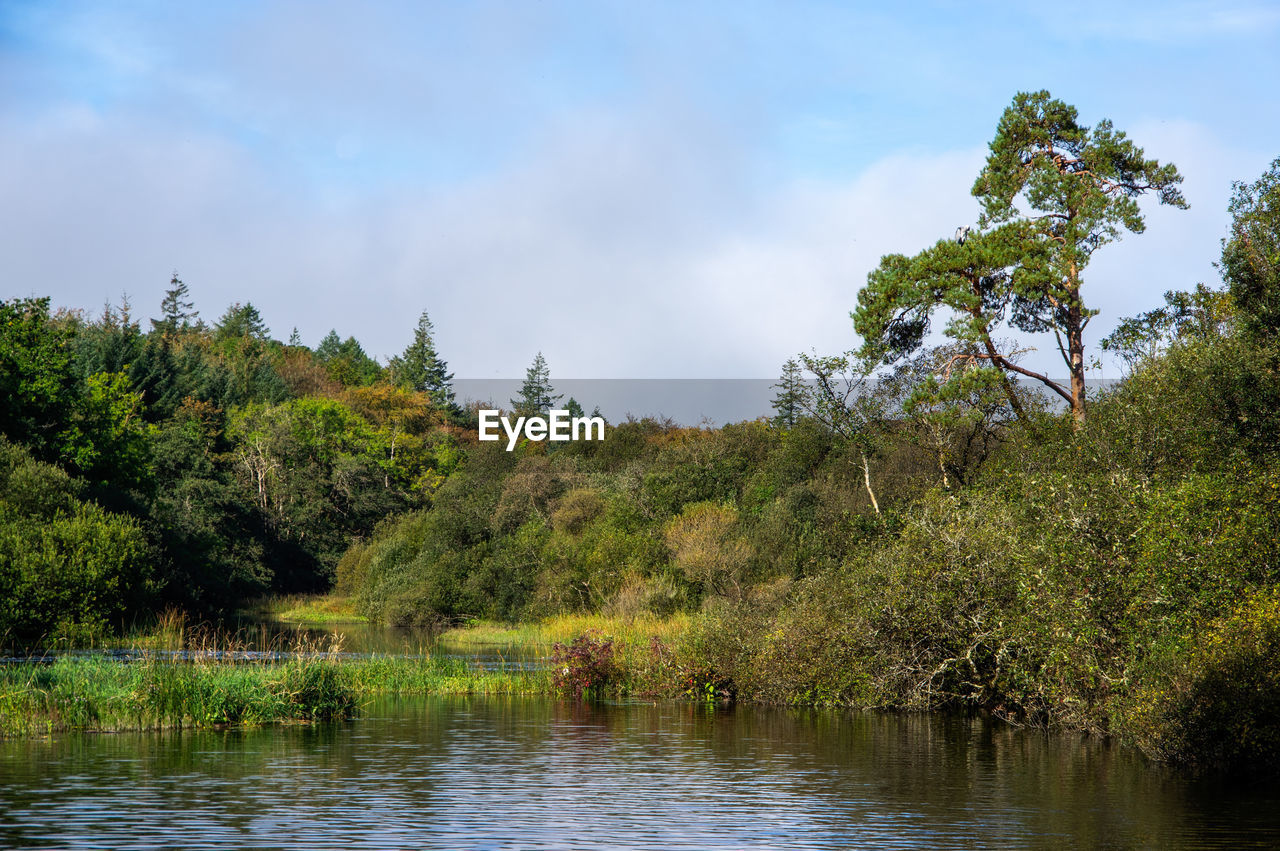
{"points": [[1208, 705], [102, 695], [184, 676]]}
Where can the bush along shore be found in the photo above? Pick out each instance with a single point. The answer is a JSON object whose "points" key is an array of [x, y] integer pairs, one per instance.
{"points": [[1211, 702]]}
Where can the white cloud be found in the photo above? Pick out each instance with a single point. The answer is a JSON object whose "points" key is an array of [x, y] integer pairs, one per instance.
{"points": [[642, 244]]}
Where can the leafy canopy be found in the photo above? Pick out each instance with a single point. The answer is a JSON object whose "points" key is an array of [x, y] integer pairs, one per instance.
{"points": [[1251, 253]]}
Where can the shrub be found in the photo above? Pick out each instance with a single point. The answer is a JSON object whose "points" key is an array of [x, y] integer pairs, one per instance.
{"points": [[576, 509], [585, 666], [639, 596], [707, 549], [71, 573], [1214, 698]]}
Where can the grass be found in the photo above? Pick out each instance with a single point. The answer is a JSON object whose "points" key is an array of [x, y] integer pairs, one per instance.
{"points": [[642, 651], [98, 694], [89, 693], [205, 686], [332, 609], [198, 677], [306, 610], [625, 632]]}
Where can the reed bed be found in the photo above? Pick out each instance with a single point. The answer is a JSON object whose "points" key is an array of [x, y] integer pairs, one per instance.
{"points": [[180, 675], [191, 678]]}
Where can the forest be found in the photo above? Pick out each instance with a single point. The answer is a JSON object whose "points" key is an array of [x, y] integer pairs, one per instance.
{"points": [[924, 522]]}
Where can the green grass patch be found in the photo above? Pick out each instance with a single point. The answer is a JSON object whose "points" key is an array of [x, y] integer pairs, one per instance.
{"points": [[625, 632], [306, 610], [99, 694], [208, 687]]}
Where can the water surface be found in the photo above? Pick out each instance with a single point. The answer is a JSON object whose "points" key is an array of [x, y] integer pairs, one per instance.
{"points": [[539, 773]]}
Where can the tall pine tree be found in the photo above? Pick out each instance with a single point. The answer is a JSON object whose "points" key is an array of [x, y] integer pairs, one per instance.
{"points": [[177, 310], [536, 397], [789, 403], [421, 368]]}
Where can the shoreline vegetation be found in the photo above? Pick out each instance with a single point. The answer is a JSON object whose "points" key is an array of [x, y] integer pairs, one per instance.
{"points": [[156, 692], [924, 524], [180, 677]]}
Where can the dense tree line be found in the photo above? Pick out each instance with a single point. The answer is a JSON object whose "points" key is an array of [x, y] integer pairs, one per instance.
{"points": [[197, 465]]}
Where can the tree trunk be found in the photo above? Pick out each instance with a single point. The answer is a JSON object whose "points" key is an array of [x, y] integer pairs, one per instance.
{"points": [[866, 477], [1075, 350]]}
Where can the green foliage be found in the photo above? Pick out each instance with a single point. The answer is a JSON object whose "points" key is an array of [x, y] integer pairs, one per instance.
{"points": [[37, 377], [989, 279], [177, 312], [239, 322], [318, 472], [109, 440], [1053, 192], [702, 466], [1251, 253], [958, 408], [1080, 187], [214, 545], [1202, 315], [66, 566], [1213, 697], [937, 539], [113, 343], [1204, 403], [788, 405], [576, 509], [346, 361], [1088, 179], [1206, 541]]}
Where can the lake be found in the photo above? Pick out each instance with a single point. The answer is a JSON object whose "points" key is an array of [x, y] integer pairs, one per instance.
{"points": [[540, 773]]}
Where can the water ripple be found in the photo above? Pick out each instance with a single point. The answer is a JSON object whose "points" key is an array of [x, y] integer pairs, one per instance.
{"points": [[465, 773]]}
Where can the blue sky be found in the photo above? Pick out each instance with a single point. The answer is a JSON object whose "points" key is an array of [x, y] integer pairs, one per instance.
{"points": [[635, 189]]}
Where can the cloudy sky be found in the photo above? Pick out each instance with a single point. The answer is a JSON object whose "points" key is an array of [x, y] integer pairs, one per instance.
{"points": [[637, 189]]}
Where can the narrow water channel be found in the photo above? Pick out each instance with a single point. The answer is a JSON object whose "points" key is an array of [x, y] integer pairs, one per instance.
{"points": [[537, 773]]}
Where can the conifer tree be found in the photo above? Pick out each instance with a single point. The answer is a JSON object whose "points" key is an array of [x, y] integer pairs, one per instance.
{"points": [[346, 361], [330, 347], [421, 368], [1053, 191], [177, 311], [536, 397], [789, 403], [241, 321]]}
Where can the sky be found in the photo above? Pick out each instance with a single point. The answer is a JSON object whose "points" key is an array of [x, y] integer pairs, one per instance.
{"points": [[635, 189]]}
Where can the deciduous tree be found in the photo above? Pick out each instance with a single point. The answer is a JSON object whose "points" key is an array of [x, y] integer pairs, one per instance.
{"points": [[1251, 253]]}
